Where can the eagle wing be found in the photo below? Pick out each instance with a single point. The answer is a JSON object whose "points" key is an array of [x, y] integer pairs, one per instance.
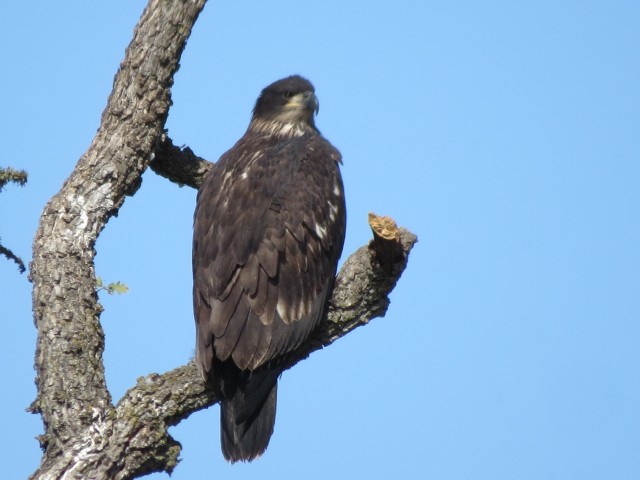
{"points": [[268, 231]]}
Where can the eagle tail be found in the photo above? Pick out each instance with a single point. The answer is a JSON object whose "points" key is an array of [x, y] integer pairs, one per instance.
{"points": [[247, 419]]}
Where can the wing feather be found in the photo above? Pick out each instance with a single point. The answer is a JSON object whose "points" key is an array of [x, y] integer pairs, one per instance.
{"points": [[225, 345], [223, 310], [248, 341], [268, 257], [258, 298], [268, 232], [271, 301]]}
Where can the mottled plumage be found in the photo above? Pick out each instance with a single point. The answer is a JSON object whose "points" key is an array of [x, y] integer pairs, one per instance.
{"points": [[269, 229]]}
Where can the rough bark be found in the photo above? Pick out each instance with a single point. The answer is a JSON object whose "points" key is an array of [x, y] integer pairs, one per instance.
{"points": [[72, 395], [86, 435]]}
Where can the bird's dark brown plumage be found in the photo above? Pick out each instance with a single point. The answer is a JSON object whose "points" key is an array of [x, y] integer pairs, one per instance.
{"points": [[268, 232]]}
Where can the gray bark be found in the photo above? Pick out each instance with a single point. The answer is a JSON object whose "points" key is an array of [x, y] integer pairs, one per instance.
{"points": [[86, 435]]}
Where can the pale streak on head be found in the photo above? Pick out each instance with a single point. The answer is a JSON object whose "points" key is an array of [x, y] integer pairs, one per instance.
{"points": [[280, 128], [286, 129]]}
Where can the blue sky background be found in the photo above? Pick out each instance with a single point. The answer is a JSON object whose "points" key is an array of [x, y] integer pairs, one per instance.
{"points": [[506, 135]]}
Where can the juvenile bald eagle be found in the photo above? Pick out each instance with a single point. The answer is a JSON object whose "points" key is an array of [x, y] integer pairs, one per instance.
{"points": [[268, 232]]}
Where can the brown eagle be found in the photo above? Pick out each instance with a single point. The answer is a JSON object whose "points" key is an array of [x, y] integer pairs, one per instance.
{"points": [[268, 232]]}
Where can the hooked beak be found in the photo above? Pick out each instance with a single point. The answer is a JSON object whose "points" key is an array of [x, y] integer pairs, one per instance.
{"points": [[313, 103], [305, 101]]}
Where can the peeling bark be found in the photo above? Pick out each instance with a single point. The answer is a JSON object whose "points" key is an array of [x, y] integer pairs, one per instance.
{"points": [[86, 435]]}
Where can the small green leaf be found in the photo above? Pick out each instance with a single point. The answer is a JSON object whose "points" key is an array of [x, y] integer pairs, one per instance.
{"points": [[112, 288], [117, 287]]}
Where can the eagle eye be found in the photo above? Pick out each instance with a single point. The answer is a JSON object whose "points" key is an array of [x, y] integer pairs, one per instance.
{"points": [[287, 94]]}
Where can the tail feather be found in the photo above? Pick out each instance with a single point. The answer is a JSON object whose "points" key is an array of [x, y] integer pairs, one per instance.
{"points": [[246, 427]]}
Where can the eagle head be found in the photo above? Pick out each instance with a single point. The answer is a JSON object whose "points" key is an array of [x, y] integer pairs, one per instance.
{"points": [[287, 106]]}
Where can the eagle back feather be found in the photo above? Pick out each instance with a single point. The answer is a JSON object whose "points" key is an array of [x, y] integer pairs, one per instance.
{"points": [[268, 231]]}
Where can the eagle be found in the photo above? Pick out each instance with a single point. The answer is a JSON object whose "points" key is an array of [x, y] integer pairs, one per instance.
{"points": [[269, 228]]}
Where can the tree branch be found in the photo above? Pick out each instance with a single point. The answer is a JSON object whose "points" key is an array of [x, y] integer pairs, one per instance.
{"points": [[7, 175], [157, 402], [9, 255], [72, 394], [180, 165], [86, 436]]}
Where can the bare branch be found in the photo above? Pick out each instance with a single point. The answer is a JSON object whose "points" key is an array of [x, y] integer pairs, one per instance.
{"points": [[5, 252], [180, 165], [160, 401], [7, 175]]}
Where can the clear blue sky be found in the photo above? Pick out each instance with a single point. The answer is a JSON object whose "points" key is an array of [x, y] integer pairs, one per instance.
{"points": [[505, 134]]}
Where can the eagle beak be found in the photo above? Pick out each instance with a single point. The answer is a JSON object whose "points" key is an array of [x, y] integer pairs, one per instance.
{"points": [[312, 103], [305, 101]]}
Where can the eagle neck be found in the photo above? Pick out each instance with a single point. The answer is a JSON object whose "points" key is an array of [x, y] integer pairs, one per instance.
{"points": [[280, 129]]}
